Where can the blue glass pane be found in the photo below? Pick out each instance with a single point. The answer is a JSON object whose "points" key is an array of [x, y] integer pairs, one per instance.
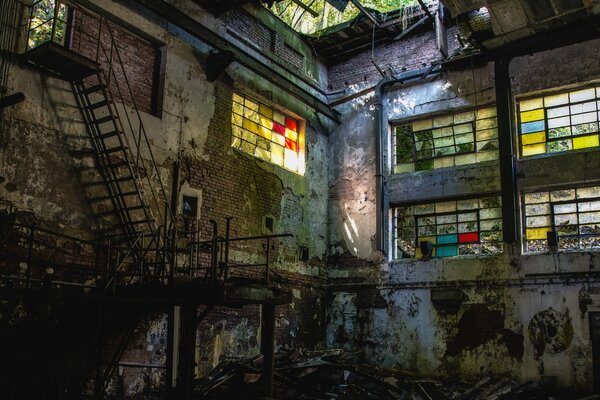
{"points": [[535, 126], [442, 239], [446, 251]]}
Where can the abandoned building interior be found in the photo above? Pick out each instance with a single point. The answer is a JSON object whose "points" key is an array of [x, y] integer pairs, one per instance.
{"points": [[184, 183]]}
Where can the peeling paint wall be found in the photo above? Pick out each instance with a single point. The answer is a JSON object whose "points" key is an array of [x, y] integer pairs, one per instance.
{"points": [[523, 316]]}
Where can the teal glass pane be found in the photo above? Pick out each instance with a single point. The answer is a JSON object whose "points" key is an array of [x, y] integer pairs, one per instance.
{"points": [[446, 251], [445, 239], [535, 126]]}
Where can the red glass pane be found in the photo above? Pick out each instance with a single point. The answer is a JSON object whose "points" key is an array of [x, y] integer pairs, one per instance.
{"points": [[468, 237], [291, 124], [278, 128], [290, 144]]}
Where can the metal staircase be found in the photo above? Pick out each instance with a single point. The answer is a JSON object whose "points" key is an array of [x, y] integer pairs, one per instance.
{"points": [[133, 209]]}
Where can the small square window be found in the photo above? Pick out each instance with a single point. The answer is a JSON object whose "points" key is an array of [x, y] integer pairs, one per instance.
{"points": [[190, 207]]}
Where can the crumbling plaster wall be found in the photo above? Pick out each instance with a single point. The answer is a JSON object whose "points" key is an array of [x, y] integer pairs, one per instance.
{"points": [[43, 179], [463, 316]]}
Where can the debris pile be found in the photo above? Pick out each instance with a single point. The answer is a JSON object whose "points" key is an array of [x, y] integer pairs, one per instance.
{"points": [[334, 376]]}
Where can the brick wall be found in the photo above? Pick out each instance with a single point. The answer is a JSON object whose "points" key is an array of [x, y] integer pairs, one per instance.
{"points": [[140, 58], [410, 53], [251, 30], [233, 184]]}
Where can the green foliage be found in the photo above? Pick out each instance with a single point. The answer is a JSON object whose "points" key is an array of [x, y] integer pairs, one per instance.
{"points": [[303, 22]]}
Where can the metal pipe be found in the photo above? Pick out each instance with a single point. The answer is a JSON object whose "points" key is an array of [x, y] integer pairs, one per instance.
{"points": [[12, 99], [226, 261], [380, 134], [267, 267], [213, 255]]}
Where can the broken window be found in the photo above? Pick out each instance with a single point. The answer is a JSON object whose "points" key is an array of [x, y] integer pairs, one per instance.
{"points": [[574, 214], [445, 141], [263, 132], [560, 122], [458, 227]]}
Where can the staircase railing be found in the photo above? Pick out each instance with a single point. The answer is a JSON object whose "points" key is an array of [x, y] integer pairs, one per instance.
{"points": [[62, 22]]}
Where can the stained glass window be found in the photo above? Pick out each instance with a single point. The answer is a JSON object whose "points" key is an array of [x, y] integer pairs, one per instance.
{"points": [[574, 214], [267, 133], [561, 122], [445, 141], [458, 227]]}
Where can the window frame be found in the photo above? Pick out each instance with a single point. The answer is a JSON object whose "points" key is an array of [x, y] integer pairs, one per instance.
{"points": [[300, 142], [394, 237], [550, 93], [552, 214], [399, 124]]}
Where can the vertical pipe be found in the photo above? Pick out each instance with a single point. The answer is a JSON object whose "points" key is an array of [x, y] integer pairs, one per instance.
{"points": [[226, 261], [505, 143], [213, 255], [267, 266], [268, 347], [29, 257]]}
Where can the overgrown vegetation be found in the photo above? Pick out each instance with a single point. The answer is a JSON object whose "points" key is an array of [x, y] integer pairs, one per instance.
{"points": [[302, 21]]}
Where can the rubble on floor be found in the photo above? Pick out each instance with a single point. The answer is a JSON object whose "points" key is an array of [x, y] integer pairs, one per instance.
{"points": [[335, 376]]}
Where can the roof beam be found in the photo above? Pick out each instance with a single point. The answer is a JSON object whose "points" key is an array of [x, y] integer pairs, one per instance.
{"points": [[366, 12], [306, 8], [426, 10]]}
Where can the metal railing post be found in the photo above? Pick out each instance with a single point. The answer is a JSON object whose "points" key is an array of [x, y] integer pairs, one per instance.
{"points": [[267, 268], [226, 261], [29, 258], [213, 258], [54, 19]]}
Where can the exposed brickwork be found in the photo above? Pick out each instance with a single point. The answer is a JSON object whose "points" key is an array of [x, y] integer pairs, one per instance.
{"points": [[410, 53], [141, 59], [248, 28]]}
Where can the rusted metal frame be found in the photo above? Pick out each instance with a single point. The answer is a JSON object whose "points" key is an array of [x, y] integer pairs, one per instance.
{"points": [[306, 8], [426, 10], [366, 12]]}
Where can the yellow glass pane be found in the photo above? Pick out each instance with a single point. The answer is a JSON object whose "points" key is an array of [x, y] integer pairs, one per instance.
{"points": [[279, 118], [430, 239], [532, 138], [263, 154], [464, 159], [251, 115], [238, 99], [422, 125], [464, 117], [266, 111], [249, 137], [279, 139], [534, 115], [448, 206], [401, 168], [251, 126], [536, 233], [291, 160], [236, 119], [251, 105], [532, 104], [277, 155], [487, 156], [238, 108], [236, 142], [585, 142], [290, 134], [486, 113], [443, 162], [266, 122], [550, 101], [264, 132], [534, 149]]}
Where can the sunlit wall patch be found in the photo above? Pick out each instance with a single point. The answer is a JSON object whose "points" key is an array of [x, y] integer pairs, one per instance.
{"points": [[268, 134]]}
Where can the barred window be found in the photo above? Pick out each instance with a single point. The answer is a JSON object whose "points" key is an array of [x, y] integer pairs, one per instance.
{"points": [[574, 214], [265, 133], [446, 141], [561, 122], [461, 227]]}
